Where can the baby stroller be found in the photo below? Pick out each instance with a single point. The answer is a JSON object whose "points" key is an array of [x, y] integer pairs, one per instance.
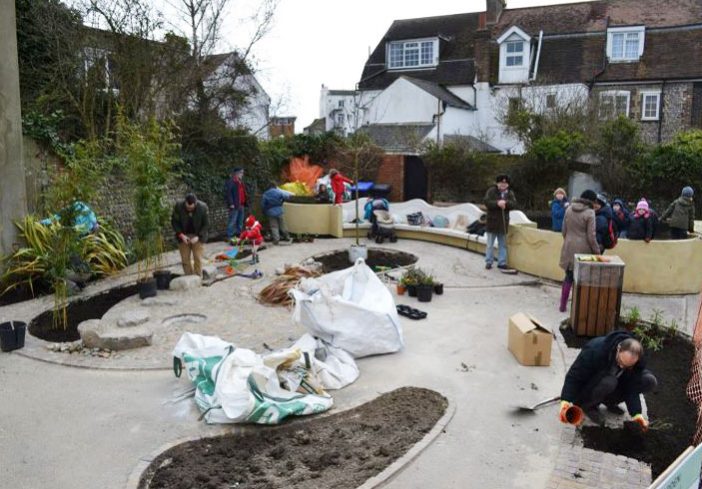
{"points": [[382, 226]]}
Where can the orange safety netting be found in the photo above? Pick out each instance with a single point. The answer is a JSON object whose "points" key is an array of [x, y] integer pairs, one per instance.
{"points": [[301, 170], [694, 387]]}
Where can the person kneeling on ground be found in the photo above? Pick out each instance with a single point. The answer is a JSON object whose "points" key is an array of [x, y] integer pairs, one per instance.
{"points": [[190, 221], [272, 203], [252, 234], [609, 370]]}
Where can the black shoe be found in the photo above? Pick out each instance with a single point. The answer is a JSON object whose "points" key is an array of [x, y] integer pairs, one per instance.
{"points": [[594, 415], [488, 266], [615, 409]]}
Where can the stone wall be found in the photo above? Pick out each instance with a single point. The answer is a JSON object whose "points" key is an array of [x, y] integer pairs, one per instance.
{"points": [[114, 202], [675, 109]]}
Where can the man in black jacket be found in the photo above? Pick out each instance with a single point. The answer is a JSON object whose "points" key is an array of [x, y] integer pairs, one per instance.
{"points": [[190, 222], [609, 369]]}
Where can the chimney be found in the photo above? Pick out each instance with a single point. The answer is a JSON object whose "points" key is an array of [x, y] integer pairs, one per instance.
{"points": [[493, 10]]}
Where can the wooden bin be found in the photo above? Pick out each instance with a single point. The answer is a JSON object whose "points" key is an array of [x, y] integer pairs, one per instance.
{"points": [[597, 295]]}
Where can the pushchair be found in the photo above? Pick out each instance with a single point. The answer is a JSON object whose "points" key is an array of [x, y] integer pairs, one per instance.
{"points": [[382, 227]]}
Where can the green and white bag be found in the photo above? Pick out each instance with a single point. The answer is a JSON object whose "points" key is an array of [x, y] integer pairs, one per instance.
{"points": [[236, 385]]}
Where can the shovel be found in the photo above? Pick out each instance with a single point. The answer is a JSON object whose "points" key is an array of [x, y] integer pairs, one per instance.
{"points": [[540, 404]]}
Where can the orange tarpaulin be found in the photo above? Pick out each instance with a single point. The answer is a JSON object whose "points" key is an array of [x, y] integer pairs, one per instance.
{"points": [[301, 170]]}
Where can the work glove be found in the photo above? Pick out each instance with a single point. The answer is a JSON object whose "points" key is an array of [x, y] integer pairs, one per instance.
{"points": [[194, 240], [641, 422], [565, 406]]}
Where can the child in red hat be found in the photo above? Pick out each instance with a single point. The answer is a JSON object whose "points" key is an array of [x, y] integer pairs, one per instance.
{"points": [[253, 235]]}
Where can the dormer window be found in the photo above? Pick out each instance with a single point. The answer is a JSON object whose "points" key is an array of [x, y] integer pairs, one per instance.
{"points": [[419, 53], [515, 55], [625, 44]]}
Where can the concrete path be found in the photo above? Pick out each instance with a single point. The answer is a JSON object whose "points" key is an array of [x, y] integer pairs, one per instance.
{"points": [[71, 428]]}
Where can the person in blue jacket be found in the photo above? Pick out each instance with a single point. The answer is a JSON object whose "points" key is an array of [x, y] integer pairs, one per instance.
{"points": [[272, 204], [558, 208], [621, 217], [603, 214]]}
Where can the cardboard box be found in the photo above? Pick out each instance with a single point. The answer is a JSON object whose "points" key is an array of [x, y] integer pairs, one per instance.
{"points": [[529, 341]]}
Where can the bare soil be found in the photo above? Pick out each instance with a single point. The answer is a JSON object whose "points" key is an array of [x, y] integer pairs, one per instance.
{"points": [[671, 413], [339, 260], [78, 311], [340, 451]]}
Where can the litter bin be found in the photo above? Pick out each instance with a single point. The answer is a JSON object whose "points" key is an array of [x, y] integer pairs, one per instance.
{"points": [[597, 294]]}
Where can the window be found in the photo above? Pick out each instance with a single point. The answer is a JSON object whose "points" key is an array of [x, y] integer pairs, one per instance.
{"points": [[341, 104], [613, 104], [650, 101], [515, 53], [101, 66], [413, 54], [551, 101], [339, 120], [625, 44]]}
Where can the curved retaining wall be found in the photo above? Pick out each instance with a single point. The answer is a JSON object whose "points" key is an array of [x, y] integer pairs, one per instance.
{"points": [[659, 267]]}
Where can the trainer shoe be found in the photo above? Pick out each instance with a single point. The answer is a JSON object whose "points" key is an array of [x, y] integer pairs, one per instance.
{"points": [[594, 415], [488, 266], [615, 409]]}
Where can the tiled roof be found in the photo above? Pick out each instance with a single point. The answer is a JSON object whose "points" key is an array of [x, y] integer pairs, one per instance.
{"points": [[398, 138], [456, 50], [472, 142], [592, 16], [440, 92]]}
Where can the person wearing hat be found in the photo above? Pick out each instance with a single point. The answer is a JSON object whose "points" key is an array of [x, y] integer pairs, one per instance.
{"points": [[680, 215], [235, 195], [641, 224], [499, 200], [190, 221], [558, 208], [579, 236], [620, 214]]}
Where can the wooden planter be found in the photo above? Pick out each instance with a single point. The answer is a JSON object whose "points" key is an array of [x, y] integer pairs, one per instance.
{"points": [[597, 295]]}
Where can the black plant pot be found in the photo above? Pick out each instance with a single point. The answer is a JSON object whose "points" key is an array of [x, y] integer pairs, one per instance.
{"points": [[424, 292], [12, 335], [438, 289], [163, 279], [412, 290], [147, 288]]}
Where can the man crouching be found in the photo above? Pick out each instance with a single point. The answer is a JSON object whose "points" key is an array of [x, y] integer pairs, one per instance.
{"points": [[609, 370]]}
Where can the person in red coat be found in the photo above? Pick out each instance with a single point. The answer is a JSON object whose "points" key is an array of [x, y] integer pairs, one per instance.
{"points": [[252, 234], [337, 185]]}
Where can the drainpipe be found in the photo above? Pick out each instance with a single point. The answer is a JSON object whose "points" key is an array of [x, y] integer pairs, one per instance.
{"points": [[538, 55], [438, 122], [660, 111], [604, 57]]}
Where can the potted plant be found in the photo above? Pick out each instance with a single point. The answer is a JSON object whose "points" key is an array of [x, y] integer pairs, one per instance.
{"points": [[438, 288], [149, 155], [425, 288], [401, 287], [163, 279], [411, 279]]}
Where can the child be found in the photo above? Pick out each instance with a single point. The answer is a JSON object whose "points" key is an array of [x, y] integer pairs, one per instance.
{"points": [[620, 215], [337, 185], [641, 223], [680, 215], [252, 234], [323, 196], [558, 208]]}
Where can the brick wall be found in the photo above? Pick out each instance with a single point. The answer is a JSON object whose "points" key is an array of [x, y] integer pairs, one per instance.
{"points": [[392, 171]]}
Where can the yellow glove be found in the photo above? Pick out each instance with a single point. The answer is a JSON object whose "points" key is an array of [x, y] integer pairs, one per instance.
{"points": [[641, 422]]}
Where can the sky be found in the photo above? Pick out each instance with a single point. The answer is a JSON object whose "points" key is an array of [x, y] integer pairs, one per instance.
{"points": [[315, 42]]}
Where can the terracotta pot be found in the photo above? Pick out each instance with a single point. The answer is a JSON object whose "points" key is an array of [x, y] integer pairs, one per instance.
{"points": [[401, 289]]}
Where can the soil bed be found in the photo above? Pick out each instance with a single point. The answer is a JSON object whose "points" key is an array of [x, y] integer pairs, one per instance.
{"points": [[21, 294], [341, 451], [78, 311], [671, 413], [339, 260]]}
